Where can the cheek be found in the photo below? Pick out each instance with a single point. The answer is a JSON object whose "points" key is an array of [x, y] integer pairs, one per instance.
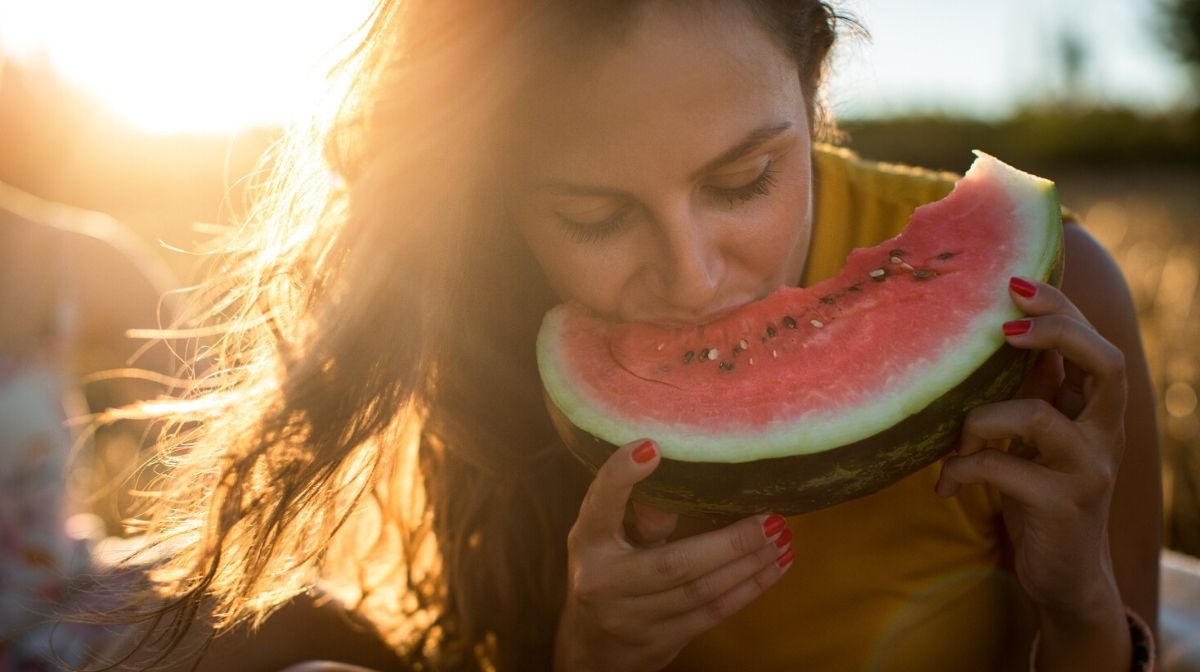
{"points": [[590, 276], [778, 243]]}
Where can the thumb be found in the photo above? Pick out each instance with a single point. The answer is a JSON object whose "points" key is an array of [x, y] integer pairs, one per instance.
{"points": [[603, 510], [650, 526]]}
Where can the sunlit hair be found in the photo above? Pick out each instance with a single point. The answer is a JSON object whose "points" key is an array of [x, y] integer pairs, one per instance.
{"points": [[371, 415]]}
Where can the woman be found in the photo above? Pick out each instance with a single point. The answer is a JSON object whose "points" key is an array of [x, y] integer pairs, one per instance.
{"points": [[379, 424]]}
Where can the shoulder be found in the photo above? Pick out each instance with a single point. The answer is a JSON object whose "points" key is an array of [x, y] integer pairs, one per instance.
{"points": [[859, 203], [1095, 284], [881, 179]]}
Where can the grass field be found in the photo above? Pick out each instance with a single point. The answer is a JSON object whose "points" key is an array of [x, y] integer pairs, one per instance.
{"points": [[1150, 221]]}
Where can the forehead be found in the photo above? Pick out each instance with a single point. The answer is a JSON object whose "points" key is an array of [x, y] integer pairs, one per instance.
{"points": [[681, 83]]}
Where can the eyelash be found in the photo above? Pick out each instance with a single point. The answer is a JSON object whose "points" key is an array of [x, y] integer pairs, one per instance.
{"points": [[761, 186], [589, 233]]}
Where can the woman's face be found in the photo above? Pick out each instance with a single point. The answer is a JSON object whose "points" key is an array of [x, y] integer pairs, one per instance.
{"points": [[670, 180]]}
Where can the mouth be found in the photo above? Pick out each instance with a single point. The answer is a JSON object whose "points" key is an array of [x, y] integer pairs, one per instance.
{"points": [[685, 322]]}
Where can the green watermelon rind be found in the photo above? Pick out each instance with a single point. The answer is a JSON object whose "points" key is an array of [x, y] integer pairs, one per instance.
{"points": [[1037, 205]]}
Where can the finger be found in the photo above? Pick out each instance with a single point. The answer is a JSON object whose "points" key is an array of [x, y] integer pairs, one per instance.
{"points": [[1039, 298], [1099, 363], [1038, 425], [671, 565], [603, 509], [1044, 379], [703, 590], [1071, 397], [708, 616], [650, 526], [1022, 480]]}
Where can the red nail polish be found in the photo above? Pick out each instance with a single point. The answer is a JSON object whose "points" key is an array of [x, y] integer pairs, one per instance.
{"points": [[1017, 327], [773, 524], [786, 559], [1023, 287], [784, 539], [644, 452]]}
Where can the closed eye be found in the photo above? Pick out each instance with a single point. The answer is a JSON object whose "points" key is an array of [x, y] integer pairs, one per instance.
{"points": [[759, 186], [588, 232]]}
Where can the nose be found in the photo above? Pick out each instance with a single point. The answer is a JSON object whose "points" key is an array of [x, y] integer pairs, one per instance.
{"points": [[689, 264]]}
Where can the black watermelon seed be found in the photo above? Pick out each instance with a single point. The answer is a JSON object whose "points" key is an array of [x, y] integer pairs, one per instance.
{"points": [[945, 255], [924, 273], [687, 356], [771, 331], [897, 253], [854, 288], [879, 278], [727, 365], [704, 354], [789, 322], [827, 299]]}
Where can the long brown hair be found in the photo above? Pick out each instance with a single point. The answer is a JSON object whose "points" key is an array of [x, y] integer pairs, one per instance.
{"points": [[373, 415]]}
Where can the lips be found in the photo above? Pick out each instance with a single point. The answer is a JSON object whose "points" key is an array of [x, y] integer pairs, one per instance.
{"points": [[685, 321]]}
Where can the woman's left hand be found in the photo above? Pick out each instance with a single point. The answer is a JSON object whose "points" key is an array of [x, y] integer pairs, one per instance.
{"points": [[1057, 478]]}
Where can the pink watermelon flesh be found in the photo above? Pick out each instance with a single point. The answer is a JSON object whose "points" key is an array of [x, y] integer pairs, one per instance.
{"points": [[907, 317], [797, 353]]}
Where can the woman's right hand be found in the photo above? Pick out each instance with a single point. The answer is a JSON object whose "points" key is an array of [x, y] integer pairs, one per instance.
{"points": [[635, 608]]}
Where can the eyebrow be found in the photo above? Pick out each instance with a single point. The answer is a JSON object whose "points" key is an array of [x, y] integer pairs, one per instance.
{"points": [[753, 140]]}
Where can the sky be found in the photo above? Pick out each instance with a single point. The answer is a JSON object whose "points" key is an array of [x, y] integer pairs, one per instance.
{"points": [[173, 66], [988, 58]]}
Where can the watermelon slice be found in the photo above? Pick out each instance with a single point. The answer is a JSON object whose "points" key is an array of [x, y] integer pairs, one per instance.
{"points": [[813, 396]]}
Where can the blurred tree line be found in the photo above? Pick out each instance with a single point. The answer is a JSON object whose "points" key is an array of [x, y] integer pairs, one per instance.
{"points": [[1039, 138], [1063, 132], [1181, 33]]}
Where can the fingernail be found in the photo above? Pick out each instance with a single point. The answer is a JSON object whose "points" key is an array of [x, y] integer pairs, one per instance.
{"points": [[786, 559], [1017, 327], [773, 525], [644, 452], [1023, 287], [937, 485], [784, 539]]}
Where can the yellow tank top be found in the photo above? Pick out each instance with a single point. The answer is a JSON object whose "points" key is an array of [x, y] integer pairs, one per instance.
{"points": [[898, 580]]}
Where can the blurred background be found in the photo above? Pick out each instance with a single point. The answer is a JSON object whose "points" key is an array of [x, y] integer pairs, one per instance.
{"points": [[154, 111]]}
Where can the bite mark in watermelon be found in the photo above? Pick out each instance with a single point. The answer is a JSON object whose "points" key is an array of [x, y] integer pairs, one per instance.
{"points": [[811, 396]]}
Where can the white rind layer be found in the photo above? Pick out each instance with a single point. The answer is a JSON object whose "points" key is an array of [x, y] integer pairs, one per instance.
{"points": [[924, 382]]}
